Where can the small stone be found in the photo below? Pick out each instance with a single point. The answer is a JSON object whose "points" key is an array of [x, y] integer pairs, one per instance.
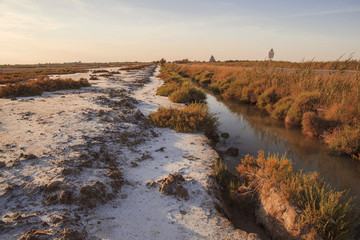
{"points": [[53, 184], [225, 135], [2, 164], [65, 197], [233, 152], [71, 234]]}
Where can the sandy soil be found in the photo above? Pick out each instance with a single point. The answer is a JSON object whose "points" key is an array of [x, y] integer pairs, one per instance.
{"points": [[87, 164]]}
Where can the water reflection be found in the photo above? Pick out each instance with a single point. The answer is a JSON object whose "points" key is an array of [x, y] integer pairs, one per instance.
{"points": [[251, 130]]}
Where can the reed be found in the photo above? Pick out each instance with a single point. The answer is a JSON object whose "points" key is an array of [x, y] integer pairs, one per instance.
{"points": [[287, 93], [331, 212]]}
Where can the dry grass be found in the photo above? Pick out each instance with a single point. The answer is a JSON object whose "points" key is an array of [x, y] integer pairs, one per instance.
{"points": [[37, 87], [332, 213], [286, 94], [193, 118], [23, 75], [138, 66], [177, 88], [339, 65]]}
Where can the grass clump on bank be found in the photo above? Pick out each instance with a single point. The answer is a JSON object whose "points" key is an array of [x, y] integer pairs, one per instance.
{"points": [[177, 88], [37, 87], [193, 118], [331, 212]]}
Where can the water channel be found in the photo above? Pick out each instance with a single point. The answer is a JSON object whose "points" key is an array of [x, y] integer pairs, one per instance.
{"points": [[252, 130]]}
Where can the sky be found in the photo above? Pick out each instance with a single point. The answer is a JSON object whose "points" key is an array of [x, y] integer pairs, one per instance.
{"points": [[52, 31]]}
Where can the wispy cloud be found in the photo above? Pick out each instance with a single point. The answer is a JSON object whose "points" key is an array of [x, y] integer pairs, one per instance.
{"points": [[327, 12]]}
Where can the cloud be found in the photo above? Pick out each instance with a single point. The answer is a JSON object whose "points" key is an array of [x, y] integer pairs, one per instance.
{"points": [[327, 12]]}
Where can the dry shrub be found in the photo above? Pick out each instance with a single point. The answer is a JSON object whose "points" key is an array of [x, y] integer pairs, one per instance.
{"points": [[167, 89], [313, 125], [344, 140], [37, 87], [192, 118], [267, 99], [23, 75], [331, 212], [304, 102], [281, 108], [187, 95], [177, 88]]}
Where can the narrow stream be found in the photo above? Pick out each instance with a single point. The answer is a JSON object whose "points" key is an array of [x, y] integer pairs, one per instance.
{"points": [[252, 130]]}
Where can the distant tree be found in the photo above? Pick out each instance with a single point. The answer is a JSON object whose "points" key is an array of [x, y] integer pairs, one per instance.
{"points": [[162, 61]]}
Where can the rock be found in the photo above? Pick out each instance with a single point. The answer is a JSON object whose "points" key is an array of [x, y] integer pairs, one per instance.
{"points": [[65, 197], [2, 164], [67, 171], [30, 156], [225, 135], [233, 152], [90, 195], [160, 149], [114, 174], [72, 234], [134, 164], [181, 192], [52, 199], [172, 186], [54, 184]]}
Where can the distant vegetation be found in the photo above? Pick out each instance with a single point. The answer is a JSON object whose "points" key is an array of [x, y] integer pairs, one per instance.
{"points": [[37, 87], [324, 105], [346, 65], [137, 66], [192, 118], [23, 75]]}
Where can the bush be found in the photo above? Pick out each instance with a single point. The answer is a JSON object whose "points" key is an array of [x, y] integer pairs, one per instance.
{"points": [[304, 102], [345, 140], [37, 87], [192, 118], [187, 95], [332, 213], [267, 99], [281, 108], [167, 89]]}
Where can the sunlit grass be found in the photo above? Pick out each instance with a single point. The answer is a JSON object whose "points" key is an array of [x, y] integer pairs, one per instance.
{"points": [[37, 87], [288, 94], [331, 212]]}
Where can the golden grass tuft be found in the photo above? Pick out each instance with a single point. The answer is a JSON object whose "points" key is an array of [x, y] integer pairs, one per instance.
{"points": [[192, 118], [331, 212]]}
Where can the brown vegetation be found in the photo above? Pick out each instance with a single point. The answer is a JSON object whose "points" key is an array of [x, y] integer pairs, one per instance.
{"points": [[137, 66], [288, 95], [23, 75], [178, 89], [192, 118], [298, 201], [37, 87]]}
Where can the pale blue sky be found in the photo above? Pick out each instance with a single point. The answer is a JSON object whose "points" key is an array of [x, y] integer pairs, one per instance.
{"points": [[33, 31]]}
